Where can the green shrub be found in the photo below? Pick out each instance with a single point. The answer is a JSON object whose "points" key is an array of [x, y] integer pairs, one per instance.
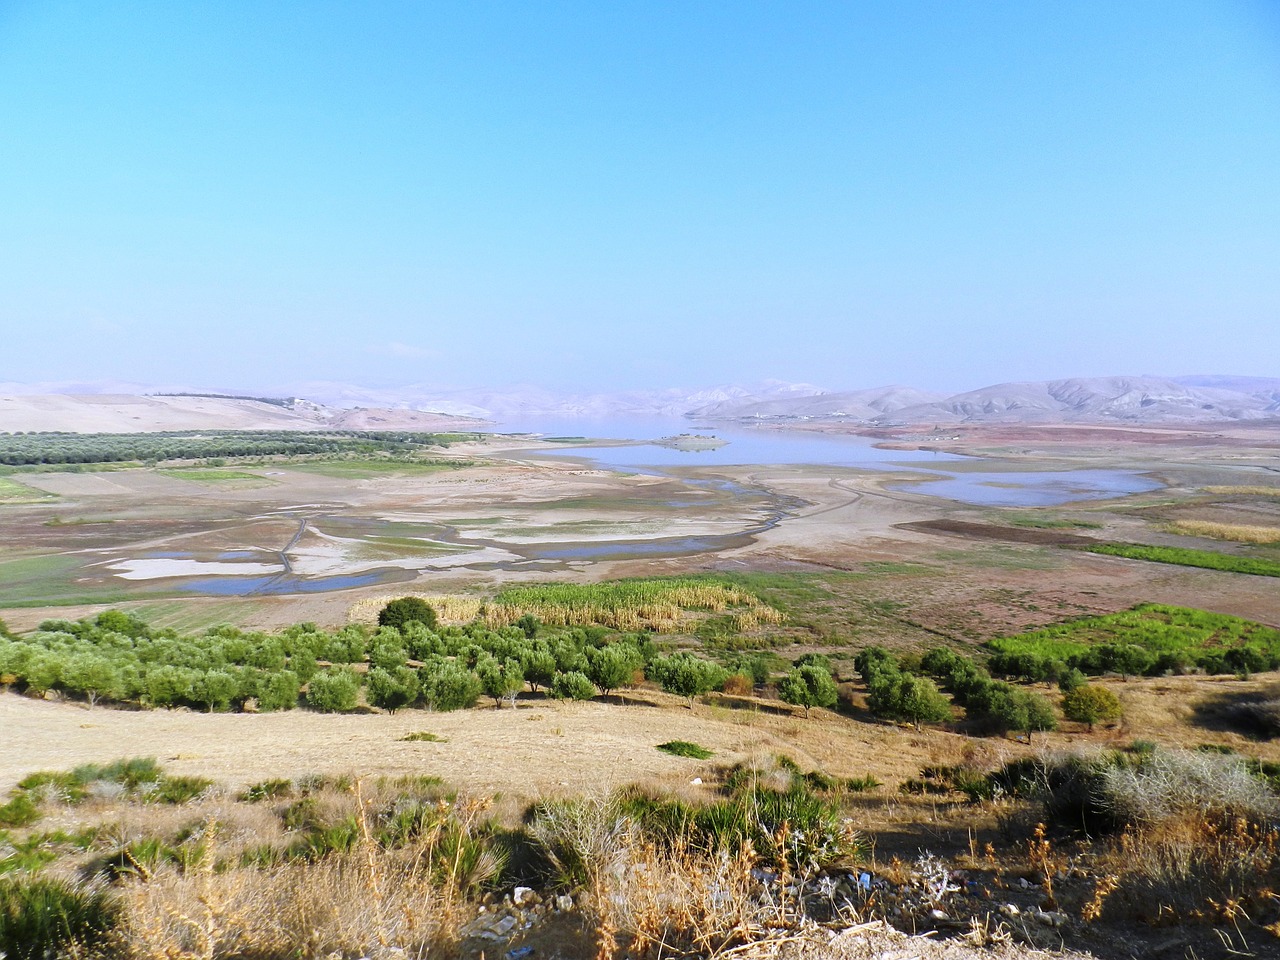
{"points": [[861, 784], [268, 790], [685, 675], [683, 748], [902, 696], [42, 918], [397, 613], [422, 736], [20, 811], [614, 666], [179, 789], [502, 680], [279, 691]]}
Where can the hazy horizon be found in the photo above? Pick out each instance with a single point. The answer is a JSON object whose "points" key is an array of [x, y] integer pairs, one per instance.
{"points": [[638, 196]]}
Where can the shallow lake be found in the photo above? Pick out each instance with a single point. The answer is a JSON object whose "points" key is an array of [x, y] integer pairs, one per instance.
{"points": [[758, 447]]}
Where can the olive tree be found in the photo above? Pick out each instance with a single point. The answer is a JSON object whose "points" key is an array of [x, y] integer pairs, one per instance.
{"points": [[809, 686], [687, 676]]}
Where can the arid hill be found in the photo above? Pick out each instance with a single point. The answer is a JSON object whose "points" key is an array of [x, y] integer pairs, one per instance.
{"points": [[119, 413]]}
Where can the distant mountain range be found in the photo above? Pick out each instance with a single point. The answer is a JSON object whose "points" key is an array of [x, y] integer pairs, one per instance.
{"points": [[1132, 400], [1146, 400], [1084, 400]]}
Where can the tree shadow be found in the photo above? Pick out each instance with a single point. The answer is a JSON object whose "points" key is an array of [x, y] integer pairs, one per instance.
{"points": [[1254, 714]]}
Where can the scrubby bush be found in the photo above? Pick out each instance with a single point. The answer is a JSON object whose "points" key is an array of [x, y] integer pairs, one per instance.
{"points": [[738, 685], [1169, 783], [1091, 704]]}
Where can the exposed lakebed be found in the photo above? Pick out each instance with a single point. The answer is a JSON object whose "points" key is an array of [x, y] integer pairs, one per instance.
{"points": [[679, 513]]}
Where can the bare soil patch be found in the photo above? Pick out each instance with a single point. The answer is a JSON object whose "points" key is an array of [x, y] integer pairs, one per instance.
{"points": [[990, 531]]}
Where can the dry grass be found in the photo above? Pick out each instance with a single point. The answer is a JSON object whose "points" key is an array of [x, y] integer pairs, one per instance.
{"points": [[1196, 868], [451, 609], [1245, 491], [661, 900], [662, 607], [372, 902], [1236, 532]]}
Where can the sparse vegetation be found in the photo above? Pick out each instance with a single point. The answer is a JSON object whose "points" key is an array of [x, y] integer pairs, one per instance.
{"points": [[423, 736]]}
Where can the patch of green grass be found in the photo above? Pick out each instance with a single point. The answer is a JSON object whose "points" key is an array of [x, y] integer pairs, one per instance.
{"points": [[1051, 523], [13, 492], [50, 580], [1154, 627], [1185, 557], [684, 748], [186, 616], [370, 469], [35, 580], [423, 736]]}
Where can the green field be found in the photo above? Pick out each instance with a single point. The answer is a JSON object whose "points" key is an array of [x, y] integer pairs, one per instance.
{"points": [[41, 581], [1185, 557], [369, 469], [13, 492], [1179, 632]]}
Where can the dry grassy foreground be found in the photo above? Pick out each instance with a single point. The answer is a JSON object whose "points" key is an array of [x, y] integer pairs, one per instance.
{"points": [[542, 747]]}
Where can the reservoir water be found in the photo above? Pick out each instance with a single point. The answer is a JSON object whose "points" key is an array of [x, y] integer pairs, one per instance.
{"points": [[749, 446]]}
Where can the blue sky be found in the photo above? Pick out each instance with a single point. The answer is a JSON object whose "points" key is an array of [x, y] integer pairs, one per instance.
{"points": [[616, 195]]}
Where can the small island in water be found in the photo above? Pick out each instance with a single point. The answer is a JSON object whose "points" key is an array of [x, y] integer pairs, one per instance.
{"points": [[691, 442]]}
